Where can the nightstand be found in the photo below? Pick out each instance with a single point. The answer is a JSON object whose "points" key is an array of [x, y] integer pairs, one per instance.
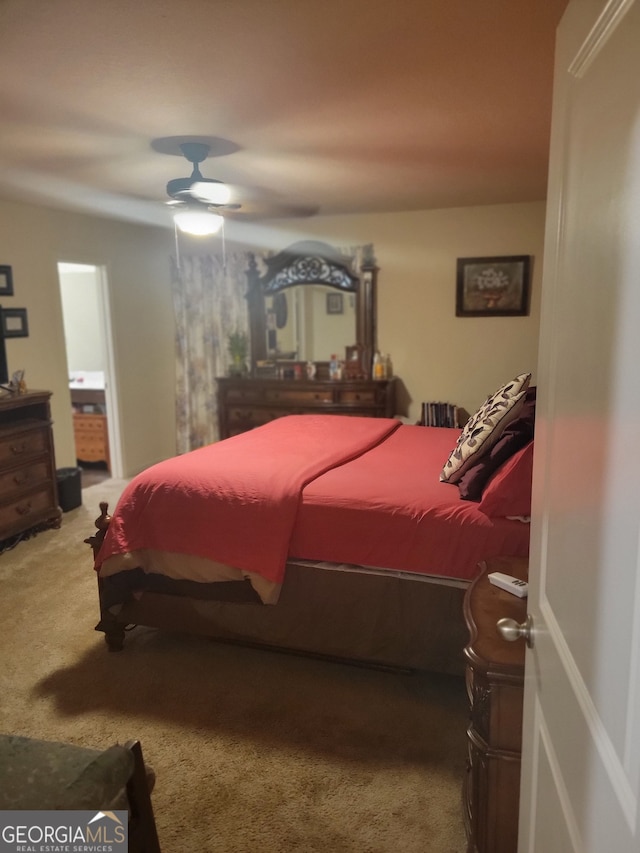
{"points": [[495, 682]]}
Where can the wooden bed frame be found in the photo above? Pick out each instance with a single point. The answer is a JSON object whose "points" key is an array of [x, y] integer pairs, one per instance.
{"points": [[381, 620]]}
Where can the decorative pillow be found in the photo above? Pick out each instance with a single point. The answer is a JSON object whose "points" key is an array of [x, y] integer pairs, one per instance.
{"points": [[508, 492], [485, 427], [518, 433]]}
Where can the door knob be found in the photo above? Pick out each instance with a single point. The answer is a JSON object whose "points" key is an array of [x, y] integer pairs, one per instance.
{"points": [[511, 630]]}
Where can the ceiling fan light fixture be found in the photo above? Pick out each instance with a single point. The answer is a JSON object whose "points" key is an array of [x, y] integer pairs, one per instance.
{"points": [[211, 191], [198, 223]]}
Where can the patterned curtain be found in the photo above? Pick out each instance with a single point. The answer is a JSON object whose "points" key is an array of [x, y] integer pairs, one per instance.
{"points": [[209, 303]]}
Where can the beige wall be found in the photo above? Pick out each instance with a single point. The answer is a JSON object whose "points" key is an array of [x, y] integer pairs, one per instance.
{"points": [[32, 241], [436, 355]]}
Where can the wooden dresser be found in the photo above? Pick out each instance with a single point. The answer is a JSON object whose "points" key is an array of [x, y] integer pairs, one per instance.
{"points": [[28, 488], [495, 680], [247, 403]]}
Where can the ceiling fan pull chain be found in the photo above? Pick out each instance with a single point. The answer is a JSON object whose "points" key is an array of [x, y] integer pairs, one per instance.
{"points": [[224, 249], [175, 234]]}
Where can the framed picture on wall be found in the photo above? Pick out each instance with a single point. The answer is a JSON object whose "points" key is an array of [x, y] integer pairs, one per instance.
{"points": [[334, 303], [6, 281], [493, 287], [14, 322]]}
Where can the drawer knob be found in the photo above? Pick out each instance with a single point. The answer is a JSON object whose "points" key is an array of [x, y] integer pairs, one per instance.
{"points": [[25, 509], [511, 630], [19, 448]]}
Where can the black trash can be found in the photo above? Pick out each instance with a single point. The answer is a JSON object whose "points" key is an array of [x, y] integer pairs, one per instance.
{"points": [[69, 488]]}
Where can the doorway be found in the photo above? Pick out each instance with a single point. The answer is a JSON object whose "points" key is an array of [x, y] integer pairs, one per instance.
{"points": [[88, 340]]}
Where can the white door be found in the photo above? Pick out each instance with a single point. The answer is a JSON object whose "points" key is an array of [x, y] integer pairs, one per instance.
{"points": [[581, 751]]}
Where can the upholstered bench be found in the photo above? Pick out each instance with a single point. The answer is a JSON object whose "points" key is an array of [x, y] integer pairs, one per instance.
{"points": [[37, 774]]}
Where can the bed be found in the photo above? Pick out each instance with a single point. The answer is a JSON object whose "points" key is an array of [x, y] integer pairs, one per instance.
{"points": [[345, 537]]}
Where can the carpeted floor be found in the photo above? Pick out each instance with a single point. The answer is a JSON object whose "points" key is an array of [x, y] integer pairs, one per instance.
{"points": [[254, 751]]}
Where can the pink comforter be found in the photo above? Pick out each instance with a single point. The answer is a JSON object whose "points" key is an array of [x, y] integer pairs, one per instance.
{"points": [[236, 501]]}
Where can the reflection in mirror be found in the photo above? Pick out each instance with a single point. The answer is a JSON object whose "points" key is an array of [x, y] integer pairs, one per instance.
{"points": [[310, 322]]}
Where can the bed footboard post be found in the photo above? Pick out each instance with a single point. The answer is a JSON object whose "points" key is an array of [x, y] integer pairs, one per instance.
{"points": [[113, 630], [102, 525]]}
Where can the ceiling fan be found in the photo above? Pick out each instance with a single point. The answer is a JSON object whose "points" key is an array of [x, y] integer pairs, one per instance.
{"points": [[201, 204], [198, 201]]}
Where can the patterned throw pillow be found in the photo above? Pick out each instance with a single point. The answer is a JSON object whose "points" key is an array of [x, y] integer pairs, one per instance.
{"points": [[515, 435], [485, 427]]}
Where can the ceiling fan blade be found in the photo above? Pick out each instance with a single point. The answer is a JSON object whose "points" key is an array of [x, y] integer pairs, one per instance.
{"points": [[211, 191]]}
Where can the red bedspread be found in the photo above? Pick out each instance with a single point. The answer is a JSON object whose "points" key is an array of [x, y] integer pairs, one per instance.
{"points": [[388, 509], [236, 501]]}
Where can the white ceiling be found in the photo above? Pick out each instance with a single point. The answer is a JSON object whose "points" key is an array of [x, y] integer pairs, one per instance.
{"points": [[336, 106]]}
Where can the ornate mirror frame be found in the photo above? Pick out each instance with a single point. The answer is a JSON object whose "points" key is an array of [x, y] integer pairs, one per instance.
{"points": [[313, 262]]}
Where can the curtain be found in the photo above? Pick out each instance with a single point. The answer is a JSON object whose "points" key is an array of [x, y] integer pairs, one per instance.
{"points": [[209, 304]]}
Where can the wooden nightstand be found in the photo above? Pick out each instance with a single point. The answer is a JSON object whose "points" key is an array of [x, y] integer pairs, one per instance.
{"points": [[495, 681]]}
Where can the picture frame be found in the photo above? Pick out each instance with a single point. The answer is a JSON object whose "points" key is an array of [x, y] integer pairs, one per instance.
{"points": [[14, 322], [335, 303], [6, 280], [493, 286], [355, 366]]}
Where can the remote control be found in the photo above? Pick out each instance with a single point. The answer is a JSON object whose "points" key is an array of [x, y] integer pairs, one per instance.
{"points": [[510, 584]]}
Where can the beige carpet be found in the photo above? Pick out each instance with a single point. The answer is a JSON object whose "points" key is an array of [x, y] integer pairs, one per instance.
{"points": [[254, 750]]}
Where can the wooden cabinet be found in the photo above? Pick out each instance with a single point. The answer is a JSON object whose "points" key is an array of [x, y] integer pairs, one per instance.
{"points": [[495, 679], [247, 403], [28, 489], [91, 437]]}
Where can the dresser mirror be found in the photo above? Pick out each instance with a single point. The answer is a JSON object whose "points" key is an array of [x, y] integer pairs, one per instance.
{"points": [[309, 304], [309, 322]]}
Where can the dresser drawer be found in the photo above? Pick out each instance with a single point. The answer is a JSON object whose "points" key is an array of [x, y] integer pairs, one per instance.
{"points": [[91, 451], [19, 479], [364, 396], [492, 820], [21, 446], [89, 424], [301, 397], [242, 394], [29, 510]]}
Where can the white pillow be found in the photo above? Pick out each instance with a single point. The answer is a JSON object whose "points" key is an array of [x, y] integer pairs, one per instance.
{"points": [[485, 427]]}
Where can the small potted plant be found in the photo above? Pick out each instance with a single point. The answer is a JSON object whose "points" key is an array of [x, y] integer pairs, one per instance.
{"points": [[238, 346]]}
